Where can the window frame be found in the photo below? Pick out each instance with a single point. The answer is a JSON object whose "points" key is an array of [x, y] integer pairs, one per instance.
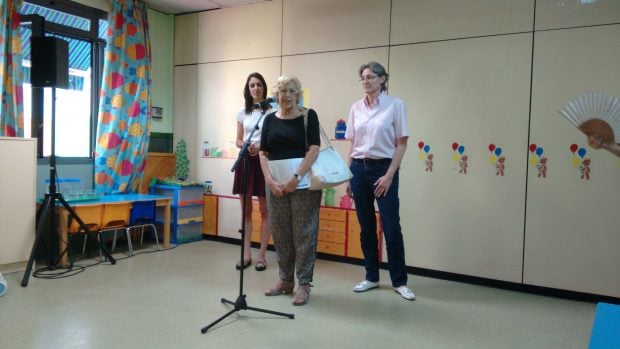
{"points": [[40, 27]]}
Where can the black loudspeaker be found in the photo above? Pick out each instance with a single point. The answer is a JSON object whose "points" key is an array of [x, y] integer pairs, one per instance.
{"points": [[50, 62]]}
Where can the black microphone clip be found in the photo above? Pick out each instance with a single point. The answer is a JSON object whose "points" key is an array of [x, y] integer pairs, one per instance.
{"points": [[264, 105]]}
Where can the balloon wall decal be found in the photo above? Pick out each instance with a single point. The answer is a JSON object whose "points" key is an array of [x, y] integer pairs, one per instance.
{"points": [[537, 160], [496, 160], [426, 156], [580, 161], [459, 157]]}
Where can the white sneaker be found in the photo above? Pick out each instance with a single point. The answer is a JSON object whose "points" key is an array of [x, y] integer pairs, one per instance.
{"points": [[405, 292], [365, 286]]}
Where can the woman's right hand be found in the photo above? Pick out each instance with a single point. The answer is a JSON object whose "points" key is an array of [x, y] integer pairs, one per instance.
{"points": [[276, 188]]}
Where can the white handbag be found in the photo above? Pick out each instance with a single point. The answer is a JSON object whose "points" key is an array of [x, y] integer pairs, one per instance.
{"points": [[329, 170]]}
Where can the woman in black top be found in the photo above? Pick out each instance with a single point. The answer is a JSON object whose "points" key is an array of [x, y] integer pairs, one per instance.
{"points": [[287, 151]]}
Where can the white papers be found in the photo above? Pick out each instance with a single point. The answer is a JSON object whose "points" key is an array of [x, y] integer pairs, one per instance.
{"points": [[283, 170]]}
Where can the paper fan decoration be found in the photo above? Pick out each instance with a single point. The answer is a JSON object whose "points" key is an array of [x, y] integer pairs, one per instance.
{"points": [[595, 114]]}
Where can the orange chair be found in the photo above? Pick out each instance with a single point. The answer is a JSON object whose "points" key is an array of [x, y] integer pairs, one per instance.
{"points": [[90, 216], [114, 217]]}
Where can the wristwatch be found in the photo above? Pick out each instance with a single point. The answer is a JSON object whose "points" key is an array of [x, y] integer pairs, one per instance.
{"points": [[298, 176]]}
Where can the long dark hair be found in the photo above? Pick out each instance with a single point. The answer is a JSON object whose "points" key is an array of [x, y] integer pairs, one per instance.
{"points": [[249, 101]]}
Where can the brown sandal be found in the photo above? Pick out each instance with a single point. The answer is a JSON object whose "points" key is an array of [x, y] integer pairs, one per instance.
{"points": [[282, 287], [302, 295]]}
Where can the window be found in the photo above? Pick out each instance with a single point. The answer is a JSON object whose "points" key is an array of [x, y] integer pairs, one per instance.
{"points": [[75, 114]]}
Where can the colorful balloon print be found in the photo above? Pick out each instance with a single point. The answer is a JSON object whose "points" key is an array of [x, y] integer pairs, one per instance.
{"points": [[427, 148], [461, 149], [420, 144], [539, 151], [109, 140], [533, 147], [134, 110], [115, 80], [455, 146], [498, 151], [125, 168], [136, 52], [491, 147]]}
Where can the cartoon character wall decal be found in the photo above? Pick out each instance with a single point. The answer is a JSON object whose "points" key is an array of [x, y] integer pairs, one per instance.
{"points": [[536, 159], [426, 156], [578, 160], [496, 159], [460, 158]]}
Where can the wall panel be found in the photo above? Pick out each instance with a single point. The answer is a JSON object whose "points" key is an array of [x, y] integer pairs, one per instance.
{"points": [[327, 25], [470, 223], [552, 14], [186, 39], [572, 234], [420, 21], [243, 32]]}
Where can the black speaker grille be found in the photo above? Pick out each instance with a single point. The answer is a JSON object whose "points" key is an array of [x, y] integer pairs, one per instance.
{"points": [[50, 62]]}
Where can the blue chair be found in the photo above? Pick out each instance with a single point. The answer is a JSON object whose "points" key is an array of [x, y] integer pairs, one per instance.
{"points": [[143, 215]]}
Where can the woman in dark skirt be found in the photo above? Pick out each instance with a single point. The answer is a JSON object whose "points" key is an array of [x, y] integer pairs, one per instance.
{"points": [[248, 119]]}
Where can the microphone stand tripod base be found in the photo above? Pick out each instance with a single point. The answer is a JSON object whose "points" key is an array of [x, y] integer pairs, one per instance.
{"points": [[241, 304]]}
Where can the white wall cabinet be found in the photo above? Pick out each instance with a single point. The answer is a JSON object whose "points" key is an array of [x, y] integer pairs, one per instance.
{"points": [[17, 201]]}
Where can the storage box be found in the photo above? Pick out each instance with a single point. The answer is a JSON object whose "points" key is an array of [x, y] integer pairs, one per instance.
{"points": [[182, 233], [182, 215], [181, 196]]}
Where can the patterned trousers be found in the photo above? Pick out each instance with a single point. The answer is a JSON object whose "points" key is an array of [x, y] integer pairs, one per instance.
{"points": [[294, 222]]}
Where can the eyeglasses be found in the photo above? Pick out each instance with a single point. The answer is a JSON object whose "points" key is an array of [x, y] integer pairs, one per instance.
{"points": [[289, 91], [368, 78]]}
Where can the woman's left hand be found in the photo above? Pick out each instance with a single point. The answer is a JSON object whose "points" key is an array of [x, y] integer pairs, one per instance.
{"points": [[291, 185], [382, 185]]}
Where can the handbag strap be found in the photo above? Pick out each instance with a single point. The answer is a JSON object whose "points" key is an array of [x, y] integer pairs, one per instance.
{"points": [[323, 134]]}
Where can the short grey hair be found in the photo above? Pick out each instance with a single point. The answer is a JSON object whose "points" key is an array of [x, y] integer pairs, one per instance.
{"points": [[378, 69], [285, 80]]}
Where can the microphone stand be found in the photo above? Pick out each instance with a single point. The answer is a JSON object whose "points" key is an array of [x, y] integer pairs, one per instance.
{"points": [[240, 303]]}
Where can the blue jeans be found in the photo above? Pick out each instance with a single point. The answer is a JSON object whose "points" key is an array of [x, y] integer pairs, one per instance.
{"points": [[362, 187]]}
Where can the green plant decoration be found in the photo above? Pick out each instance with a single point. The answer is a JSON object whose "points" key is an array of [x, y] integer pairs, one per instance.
{"points": [[182, 162]]}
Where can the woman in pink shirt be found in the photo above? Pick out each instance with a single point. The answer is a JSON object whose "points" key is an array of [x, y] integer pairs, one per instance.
{"points": [[377, 127]]}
